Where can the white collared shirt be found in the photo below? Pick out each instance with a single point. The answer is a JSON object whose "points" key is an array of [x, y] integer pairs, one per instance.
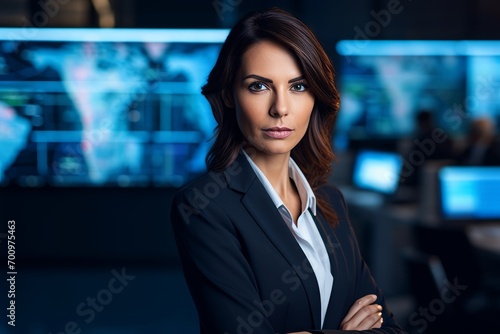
{"points": [[305, 231]]}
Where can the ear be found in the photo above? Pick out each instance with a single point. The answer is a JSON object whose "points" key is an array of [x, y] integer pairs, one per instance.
{"points": [[228, 99]]}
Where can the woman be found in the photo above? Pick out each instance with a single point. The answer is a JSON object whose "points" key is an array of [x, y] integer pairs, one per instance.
{"points": [[265, 243]]}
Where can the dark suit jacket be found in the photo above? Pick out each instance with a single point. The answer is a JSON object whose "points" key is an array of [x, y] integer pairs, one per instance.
{"points": [[245, 270]]}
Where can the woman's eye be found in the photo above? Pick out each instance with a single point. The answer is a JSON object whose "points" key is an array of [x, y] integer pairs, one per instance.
{"points": [[257, 86], [299, 87]]}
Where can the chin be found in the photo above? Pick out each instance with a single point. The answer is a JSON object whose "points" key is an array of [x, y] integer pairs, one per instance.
{"points": [[274, 148]]}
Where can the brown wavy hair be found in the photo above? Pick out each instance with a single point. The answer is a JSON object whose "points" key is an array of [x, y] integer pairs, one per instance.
{"points": [[313, 154]]}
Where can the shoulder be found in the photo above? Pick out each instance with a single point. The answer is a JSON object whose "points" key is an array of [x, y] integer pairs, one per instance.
{"points": [[331, 191], [203, 189], [198, 207], [334, 197], [219, 186]]}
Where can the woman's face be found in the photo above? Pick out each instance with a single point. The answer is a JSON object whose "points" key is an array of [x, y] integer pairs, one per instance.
{"points": [[272, 100]]}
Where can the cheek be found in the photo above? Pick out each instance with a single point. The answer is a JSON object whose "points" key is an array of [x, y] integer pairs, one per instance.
{"points": [[250, 112], [305, 117], [305, 121], [244, 116]]}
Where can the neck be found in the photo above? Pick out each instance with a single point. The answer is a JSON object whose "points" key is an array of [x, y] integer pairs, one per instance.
{"points": [[275, 168]]}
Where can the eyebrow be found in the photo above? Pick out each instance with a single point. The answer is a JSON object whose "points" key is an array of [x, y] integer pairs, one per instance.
{"points": [[258, 77]]}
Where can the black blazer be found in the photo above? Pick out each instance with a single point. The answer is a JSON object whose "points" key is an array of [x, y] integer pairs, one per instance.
{"points": [[245, 270]]}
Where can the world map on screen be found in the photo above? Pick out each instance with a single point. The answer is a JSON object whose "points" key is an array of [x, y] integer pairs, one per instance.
{"points": [[96, 113]]}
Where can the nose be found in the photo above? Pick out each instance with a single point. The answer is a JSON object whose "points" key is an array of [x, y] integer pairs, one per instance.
{"points": [[279, 107]]}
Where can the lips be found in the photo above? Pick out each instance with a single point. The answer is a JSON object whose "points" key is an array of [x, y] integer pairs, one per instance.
{"points": [[278, 132]]}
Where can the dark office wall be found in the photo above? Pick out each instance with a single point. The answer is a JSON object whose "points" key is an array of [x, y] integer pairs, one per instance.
{"points": [[341, 19], [90, 226], [333, 20]]}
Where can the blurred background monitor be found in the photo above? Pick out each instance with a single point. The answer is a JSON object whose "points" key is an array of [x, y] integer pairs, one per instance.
{"points": [[377, 171], [384, 84], [469, 193], [97, 107]]}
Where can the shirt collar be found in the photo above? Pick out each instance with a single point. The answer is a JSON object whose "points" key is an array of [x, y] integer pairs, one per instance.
{"points": [[305, 191]]}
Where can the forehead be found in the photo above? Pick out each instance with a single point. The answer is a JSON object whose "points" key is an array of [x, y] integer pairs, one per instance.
{"points": [[267, 58]]}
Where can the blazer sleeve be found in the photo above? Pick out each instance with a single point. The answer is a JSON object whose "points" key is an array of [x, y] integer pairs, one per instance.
{"points": [[217, 273], [365, 283]]}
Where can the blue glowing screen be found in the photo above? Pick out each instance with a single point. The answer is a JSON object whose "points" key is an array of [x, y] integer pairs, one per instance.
{"points": [[384, 84], [100, 107], [378, 171], [470, 192]]}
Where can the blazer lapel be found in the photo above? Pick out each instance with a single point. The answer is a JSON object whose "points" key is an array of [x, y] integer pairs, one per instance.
{"points": [[260, 206], [337, 261]]}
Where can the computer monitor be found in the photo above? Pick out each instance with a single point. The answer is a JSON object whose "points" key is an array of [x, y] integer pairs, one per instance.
{"points": [[377, 171], [99, 107], [469, 193]]}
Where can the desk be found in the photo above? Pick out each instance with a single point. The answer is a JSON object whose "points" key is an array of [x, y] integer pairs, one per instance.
{"points": [[385, 230]]}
